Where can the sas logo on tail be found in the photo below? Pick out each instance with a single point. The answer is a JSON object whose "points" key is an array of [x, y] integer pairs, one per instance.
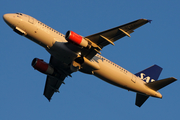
{"points": [[145, 78]]}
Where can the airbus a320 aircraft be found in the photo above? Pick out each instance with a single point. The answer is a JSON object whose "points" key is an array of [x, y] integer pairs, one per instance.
{"points": [[73, 52]]}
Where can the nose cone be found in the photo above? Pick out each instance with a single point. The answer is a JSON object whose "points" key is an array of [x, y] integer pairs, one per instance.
{"points": [[8, 18]]}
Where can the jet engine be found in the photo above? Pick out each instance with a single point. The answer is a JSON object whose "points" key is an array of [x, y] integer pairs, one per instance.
{"points": [[77, 39], [42, 66]]}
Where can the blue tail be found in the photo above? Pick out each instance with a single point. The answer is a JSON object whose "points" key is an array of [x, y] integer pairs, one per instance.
{"points": [[150, 74]]}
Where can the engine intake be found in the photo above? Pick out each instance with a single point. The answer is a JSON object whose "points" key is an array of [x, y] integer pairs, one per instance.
{"points": [[42, 66]]}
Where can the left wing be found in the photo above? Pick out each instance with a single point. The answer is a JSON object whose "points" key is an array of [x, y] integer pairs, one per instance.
{"points": [[52, 83], [101, 39]]}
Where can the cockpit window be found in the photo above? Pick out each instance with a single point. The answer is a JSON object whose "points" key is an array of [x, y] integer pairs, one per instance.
{"points": [[19, 13]]}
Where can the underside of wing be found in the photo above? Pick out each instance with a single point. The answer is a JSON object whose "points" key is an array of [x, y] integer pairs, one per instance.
{"points": [[52, 85], [110, 36], [54, 82]]}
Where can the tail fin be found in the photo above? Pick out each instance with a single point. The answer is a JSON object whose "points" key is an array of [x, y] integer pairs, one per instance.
{"points": [[150, 74]]}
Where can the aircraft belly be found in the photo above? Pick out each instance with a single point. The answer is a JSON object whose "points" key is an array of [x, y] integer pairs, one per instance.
{"points": [[115, 76], [62, 53]]}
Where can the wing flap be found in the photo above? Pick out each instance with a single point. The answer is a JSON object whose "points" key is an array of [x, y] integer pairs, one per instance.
{"points": [[125, 32]]}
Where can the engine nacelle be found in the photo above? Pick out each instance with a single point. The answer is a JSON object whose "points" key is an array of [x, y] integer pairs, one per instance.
{"points": [[77, 39], [42, 66]]}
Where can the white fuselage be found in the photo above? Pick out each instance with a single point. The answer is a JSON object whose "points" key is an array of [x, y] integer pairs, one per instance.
{"points": [[55, 43]]}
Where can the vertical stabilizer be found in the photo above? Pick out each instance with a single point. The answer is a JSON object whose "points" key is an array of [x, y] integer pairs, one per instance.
{"points": [[150, 74]]}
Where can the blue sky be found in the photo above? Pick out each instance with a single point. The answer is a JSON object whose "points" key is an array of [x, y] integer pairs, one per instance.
{"points": [[84, 96]]}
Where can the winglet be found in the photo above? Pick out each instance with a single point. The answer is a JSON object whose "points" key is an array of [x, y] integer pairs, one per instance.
{"points": [[149, 21]]}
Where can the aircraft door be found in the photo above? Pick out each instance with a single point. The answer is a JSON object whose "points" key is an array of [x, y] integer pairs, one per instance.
{"points": [[133, 78], [31, 20]]}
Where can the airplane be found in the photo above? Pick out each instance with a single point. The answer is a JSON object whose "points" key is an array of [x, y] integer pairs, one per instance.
{"points": [[72, 52]]}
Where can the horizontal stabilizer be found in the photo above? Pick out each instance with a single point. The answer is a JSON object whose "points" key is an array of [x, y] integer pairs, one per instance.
{"points": [[156, 85], [140, 99]]}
